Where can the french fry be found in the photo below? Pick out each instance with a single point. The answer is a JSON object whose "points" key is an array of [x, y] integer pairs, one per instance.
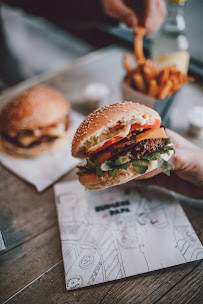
{"points": [[165, 89], [175, 80], [138, 45], [189, 79], [164, 75], [153, 88], [133, 71], [182, 83], [127, 62], [139, 82], [149, 72], [175, 88], [173, 68], [128, 80], [146, 77]]}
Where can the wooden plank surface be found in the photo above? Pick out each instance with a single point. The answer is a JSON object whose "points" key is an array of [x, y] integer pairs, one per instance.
{"points": [[42, 252], [31, 267]]}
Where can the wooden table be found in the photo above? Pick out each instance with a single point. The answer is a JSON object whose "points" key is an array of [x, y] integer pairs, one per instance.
{"points": [[31, 267]]}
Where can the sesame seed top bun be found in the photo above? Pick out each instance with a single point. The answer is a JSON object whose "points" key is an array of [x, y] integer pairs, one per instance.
{"points": [[37, 107], [95, 125]]}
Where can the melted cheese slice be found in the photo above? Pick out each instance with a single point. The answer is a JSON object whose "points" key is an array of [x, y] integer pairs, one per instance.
{"points": [[151, 134], [56, 131], [27, 140]]}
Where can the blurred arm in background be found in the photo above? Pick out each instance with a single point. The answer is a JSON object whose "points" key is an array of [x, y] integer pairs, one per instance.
{"points": [[70, 15], [147, 13]]}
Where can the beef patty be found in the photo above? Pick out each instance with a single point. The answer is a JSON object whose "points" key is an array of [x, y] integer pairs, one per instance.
{"points": [[146, 146]]}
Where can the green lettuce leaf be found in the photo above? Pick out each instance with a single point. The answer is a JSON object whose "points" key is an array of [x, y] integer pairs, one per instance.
{"points": [[99, 171], [166, 149], [140, 166], [155, 155], [90, 165], [151, 156], [168, 141], [107, 165], [164, 165], [121, 160], [114, 172], [125, 166], [81, 167], [83, 170], [80, 172]]}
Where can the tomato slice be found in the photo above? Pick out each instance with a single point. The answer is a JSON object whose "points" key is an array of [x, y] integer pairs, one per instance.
{"points": [[150, 124], [108, 143]]}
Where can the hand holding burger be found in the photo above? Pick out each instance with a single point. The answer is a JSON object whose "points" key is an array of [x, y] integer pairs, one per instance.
{"points": [[187, 175], [121, 142]]}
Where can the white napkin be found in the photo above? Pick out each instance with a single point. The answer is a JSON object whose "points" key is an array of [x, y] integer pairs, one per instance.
{"points": [[44, 170], [121, 231]]}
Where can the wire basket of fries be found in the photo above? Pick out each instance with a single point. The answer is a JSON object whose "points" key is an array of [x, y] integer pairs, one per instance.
{"points": [[146, 83]]}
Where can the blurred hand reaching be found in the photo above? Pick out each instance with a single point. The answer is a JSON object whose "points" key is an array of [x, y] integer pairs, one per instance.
{"points": [[147, 13]]}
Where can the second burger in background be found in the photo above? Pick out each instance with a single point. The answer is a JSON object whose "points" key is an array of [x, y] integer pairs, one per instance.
{"points": [[120, 142], [35, 122]]}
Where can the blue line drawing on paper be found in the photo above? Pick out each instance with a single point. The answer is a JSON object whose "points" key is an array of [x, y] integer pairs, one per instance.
{"points": [[186, 239], [98, 247], [102, 251]]}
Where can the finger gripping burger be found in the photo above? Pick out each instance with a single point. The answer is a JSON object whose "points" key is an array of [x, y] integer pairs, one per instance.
{"points": [[35, 122], [120, 142]]}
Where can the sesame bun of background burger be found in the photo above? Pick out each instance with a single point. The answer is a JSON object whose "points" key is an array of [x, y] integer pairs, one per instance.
{"points": [[120, 142], [35, 122]]}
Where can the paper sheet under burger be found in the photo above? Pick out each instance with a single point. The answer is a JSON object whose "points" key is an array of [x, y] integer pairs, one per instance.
{"points": [[120, 232], [44, 170]]}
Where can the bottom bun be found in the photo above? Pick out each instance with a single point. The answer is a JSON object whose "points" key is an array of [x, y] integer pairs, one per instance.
{"points": [[93, 182], [36, 150]]}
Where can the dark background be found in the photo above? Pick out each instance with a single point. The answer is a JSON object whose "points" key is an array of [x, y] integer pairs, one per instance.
{"points": [[41, 36]]}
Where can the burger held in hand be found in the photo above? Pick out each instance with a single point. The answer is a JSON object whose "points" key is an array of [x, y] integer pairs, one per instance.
{"points": [[120, 142], [35, 122]]}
